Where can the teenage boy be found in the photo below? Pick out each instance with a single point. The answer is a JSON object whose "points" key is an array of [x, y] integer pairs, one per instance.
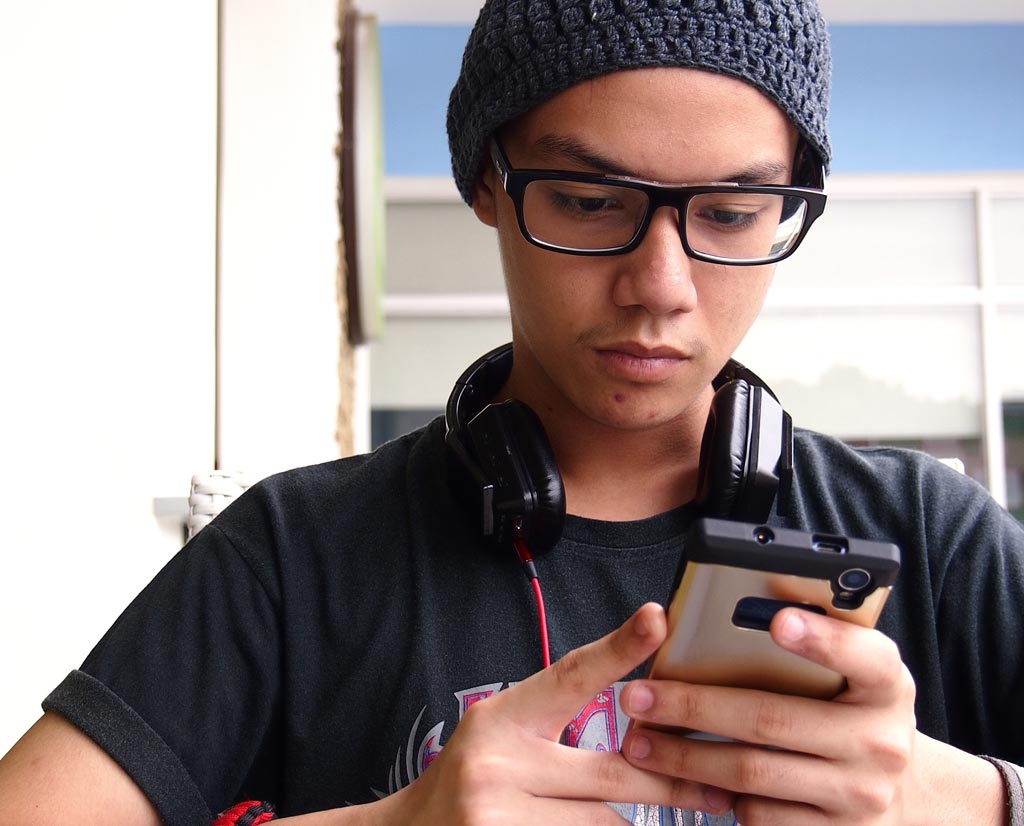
{"points": [[645, 164]]}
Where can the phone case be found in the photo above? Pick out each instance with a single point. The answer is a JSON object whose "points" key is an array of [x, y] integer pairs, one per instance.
{"points": [[738, 575]]}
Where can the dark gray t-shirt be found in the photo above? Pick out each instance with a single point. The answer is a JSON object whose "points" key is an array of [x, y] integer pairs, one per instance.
{"points": [[317, 644]]}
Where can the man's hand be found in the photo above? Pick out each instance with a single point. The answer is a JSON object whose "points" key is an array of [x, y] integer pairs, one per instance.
{"points": [[503, 764], [854, 760]]}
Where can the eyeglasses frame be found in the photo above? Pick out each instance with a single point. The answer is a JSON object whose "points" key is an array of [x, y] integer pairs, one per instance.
{"points": [[514, 182]]}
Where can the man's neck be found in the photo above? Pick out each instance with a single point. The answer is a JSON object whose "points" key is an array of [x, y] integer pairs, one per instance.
{"points": [[617, 475]]}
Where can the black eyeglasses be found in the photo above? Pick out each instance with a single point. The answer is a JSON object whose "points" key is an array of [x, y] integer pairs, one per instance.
{"points": [[584, 214]]}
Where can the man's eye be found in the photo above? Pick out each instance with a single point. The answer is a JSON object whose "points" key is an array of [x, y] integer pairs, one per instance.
{"points": [[592, 204], [730, 218], [581, 204]]}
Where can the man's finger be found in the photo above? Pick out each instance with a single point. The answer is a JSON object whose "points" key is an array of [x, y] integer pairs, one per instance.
{"points": [[592, 775], [868, 660], [548, 700]]}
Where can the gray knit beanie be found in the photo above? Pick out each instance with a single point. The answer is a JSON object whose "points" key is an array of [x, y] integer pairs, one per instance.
{"points": [[522, 52]]}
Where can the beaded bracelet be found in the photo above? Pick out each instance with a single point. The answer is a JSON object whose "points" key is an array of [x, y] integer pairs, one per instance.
{"points": [[249, 813]]}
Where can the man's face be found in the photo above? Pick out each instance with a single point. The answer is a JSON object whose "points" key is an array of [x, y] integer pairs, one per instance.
{"points": [[633, 341]]}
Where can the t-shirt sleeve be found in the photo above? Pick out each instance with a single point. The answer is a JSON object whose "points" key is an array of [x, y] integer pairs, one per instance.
{"points": [[183, 689], [137, 748]]}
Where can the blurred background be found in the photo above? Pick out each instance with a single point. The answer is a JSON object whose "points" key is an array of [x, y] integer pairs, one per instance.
{"points": [[177, 293]]}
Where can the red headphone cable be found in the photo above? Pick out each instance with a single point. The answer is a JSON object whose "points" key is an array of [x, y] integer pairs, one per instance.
{"points": [[531, 573]]}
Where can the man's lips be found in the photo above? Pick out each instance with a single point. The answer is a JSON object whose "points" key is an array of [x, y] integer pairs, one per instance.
{"points": [[637, 362], [641, 351]]}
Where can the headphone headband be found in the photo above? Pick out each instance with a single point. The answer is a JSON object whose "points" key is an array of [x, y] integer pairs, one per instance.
{"points": [[477, 387]]}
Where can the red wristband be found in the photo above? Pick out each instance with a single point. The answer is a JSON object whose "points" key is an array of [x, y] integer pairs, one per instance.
{"points": [[249, 813]]}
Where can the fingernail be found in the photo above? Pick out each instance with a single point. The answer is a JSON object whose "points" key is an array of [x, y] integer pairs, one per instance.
{"points": [[718, 800], [793, 627], [641, 624], [640, 698], [639, 747]]}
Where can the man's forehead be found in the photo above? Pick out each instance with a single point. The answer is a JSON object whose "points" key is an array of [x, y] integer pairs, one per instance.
{"points": [[567, 151], [670, 125], [664, 97]]}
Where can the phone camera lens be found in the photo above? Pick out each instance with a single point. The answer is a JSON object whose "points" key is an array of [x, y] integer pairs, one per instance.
{"points": [[854, 579], [764, 536]]}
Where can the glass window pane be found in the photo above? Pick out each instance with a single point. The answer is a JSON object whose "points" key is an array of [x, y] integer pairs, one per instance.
{"points": [[1013, 428], [440, 248], [1011, 374], [416, 362], [1007, 226], [873, 374], [1010, 351], [887, 243], [387, 423]]}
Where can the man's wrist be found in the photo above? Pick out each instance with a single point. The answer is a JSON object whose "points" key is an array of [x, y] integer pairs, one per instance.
{"points": [[1013, 781]]}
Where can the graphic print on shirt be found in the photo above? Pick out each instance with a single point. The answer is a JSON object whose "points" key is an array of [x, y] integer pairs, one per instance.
{"points": [[598, 726]]}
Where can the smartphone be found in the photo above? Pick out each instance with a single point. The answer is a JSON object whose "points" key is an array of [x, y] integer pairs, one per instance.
{"points": [[738, 575]]}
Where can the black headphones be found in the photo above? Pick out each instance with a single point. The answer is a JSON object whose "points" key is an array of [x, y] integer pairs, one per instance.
{"points": [[501, 463]]}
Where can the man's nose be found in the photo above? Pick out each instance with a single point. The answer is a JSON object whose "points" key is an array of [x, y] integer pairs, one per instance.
{"points": [[658, 274]]}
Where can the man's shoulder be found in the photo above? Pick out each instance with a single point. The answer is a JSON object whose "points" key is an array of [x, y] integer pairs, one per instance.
{"points": [[876, 490], [819, 453], [361, 494]]}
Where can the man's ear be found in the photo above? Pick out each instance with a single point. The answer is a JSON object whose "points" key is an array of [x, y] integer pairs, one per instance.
{"points": [[484, 196]]}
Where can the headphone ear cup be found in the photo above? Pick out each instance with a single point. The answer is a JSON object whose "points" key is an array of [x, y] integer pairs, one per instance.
{"points": [[513, 452], [724, 451], [543, 528]]}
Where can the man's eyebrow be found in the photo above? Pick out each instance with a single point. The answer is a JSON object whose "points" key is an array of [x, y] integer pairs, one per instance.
{"points": [[564, 148], [762, 172], [569, 149]]}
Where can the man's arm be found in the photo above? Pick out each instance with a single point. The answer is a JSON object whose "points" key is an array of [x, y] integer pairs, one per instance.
{"points": [[56, 775], [503, 764]]}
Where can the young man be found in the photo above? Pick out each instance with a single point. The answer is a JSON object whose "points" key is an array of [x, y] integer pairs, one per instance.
{"points": [[324, 638]]}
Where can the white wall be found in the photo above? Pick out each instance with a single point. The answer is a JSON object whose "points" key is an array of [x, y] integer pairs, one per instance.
{"points": [[279, 317], [107, 260], [107, 160]]}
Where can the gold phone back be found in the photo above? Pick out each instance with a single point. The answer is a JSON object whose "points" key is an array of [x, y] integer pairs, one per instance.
{"points": [[705, 646]]}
